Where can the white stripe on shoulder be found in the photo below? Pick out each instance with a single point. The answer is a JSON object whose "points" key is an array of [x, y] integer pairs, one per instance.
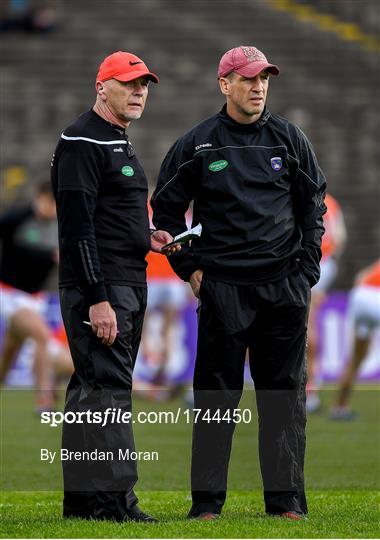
{"points": [[122, 141]]}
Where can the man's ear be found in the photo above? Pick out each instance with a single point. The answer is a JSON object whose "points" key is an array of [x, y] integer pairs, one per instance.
{"points": [[224, 86], [100, 90]]}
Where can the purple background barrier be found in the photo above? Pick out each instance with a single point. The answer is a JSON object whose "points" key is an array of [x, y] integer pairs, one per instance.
{"points": [[333, 324]]}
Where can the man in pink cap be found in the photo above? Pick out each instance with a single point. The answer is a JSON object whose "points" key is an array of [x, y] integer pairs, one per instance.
{"points": [[101, 192], [259, 194]]}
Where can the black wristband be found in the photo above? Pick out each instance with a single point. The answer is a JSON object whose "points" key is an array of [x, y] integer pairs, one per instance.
{"points": [[96, 293]]}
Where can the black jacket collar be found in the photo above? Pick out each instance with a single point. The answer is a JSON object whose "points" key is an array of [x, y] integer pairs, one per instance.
{"points": [[247, 128], [107, 124]]}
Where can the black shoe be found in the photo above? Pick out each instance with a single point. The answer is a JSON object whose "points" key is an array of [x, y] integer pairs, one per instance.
{"points": [[135, 514], [76, 505]]}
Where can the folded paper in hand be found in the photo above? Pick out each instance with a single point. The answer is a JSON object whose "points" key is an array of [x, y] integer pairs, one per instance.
{"points": [[186, 236]]}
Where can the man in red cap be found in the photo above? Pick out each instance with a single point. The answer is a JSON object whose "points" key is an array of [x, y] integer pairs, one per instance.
{"points": [[259, 194], [101, 192]]}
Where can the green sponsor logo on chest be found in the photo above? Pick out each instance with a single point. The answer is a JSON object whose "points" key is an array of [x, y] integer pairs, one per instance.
{"points": [[127, 170], [216, 166]]}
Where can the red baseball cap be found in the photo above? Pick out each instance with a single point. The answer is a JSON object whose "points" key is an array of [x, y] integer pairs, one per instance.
{"points": [[246, 61], [124, 66]]}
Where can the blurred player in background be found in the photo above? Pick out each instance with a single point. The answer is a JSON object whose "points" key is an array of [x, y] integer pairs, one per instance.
{"points": [[333, 242], [167, 297], [29, 253], [167, 294], [364, 311]]}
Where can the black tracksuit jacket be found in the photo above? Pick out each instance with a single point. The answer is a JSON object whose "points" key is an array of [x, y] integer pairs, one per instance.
{"points": [[258, 192], [101, 192]]}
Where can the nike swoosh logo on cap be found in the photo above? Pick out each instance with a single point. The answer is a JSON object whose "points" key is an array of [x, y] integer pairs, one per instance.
{"points": [[134, 63]]}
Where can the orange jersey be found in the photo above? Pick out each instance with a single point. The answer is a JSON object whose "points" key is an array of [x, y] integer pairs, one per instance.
{"points": [[335, 230], [60, 335], [159, 267], [370, 276]]}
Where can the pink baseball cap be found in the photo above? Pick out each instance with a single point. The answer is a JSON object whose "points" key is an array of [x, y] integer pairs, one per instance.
{"points": [[246, 61]]}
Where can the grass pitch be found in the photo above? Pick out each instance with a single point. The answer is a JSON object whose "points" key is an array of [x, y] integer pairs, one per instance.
{"points": [[333, 514], [342, 473]]}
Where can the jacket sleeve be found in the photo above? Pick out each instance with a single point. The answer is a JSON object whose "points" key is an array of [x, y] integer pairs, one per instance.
{"points": [[309, 190], [177, 185], [79, 176]]}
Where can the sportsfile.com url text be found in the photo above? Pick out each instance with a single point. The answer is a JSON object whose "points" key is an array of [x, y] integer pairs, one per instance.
{"points": [[118, 416]]}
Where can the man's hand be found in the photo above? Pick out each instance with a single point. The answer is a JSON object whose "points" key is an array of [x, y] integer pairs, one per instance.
{"points": [[158, 239], [195, 281], [103, 322]]}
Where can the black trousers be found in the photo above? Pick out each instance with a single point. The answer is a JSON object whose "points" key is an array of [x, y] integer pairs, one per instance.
{"points": [[270, 321], [102, 380]]}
